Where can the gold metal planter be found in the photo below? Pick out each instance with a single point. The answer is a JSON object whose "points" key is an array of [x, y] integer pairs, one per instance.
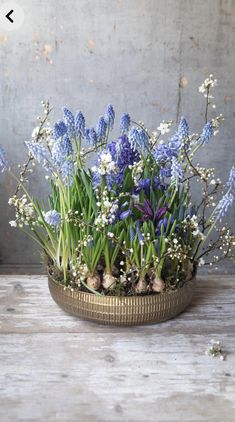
{"points": [[116, 310]]}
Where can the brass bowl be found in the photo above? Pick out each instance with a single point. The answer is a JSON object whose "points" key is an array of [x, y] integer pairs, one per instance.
{"points": [[121, 310]]}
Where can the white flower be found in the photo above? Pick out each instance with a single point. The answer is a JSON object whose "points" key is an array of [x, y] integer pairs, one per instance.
{"points": [[106, 164], [35, 132], [13, 223], [164, 127], [209, 82], [107, 204]]}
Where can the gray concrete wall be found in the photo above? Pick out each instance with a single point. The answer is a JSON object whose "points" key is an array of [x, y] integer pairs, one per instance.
{"points": [[133, 53]]}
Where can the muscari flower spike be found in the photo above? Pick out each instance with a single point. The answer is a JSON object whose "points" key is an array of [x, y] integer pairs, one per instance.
{"points": [[4, 164], [91, 136], [138, 139], [38, 152], [223, 205], [52, 218], [79, 124], [60, 129], [231, 179], [101, 129], [67, 172], [125, 122], [176, 171], [183, 129], [61, 150], [206, 134], [110, 116], [69, 119]]}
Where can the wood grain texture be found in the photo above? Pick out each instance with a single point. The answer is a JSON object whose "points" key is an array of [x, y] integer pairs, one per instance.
{"points": [[57, 368]]}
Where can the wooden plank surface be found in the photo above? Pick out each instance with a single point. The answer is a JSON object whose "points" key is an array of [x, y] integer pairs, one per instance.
{"points": [[55, 367]]}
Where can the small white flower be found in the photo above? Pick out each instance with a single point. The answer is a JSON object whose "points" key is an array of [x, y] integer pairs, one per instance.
{"points": [[164, 128], [107, 204], [35, 132], [13, 223]]}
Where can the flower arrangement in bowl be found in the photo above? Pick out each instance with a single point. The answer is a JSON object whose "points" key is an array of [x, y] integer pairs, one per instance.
{"points": [[123, 238]]}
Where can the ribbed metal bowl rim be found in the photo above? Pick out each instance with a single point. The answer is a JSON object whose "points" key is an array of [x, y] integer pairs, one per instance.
{"points": [[122, 310]]}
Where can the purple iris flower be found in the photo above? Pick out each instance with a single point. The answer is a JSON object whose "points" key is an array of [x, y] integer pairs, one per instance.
{"points": [[148, 213]]}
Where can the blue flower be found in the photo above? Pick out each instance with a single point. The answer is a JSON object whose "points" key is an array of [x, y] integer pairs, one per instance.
{"points": [[157, 184], [165, 153], [125, 122], [175, 145], [231, 179], [164, 172], [96, 179], [138, 139], [79, 124], [40, 153], [126, 156], [60, 129], [3, 160], [143, 184], [162, 226], [123, 155], [183, 130], [69, 119], [110, 116], [91, 136], [61, 150], [67, 171], [62, 158], [224, 205], [101, 129], [66, 145], [176, 171], [52, 218], [124, 214], [206, 134]]}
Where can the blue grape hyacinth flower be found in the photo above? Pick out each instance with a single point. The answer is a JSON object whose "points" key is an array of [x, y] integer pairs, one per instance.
{"points": [[110, 116], [79, 124], [69, 120], [52, 218], [231, 179], [101, 129], [60, 129], [183, 129], [125, 122], [206, 134], [91, 136], [223, 205]]}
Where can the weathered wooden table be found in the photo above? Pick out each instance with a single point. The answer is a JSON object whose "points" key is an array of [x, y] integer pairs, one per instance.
{"points": [[54, 367]]}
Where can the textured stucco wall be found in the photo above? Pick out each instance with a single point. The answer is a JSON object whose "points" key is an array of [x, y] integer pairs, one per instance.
{"points": [[133, 53]]}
